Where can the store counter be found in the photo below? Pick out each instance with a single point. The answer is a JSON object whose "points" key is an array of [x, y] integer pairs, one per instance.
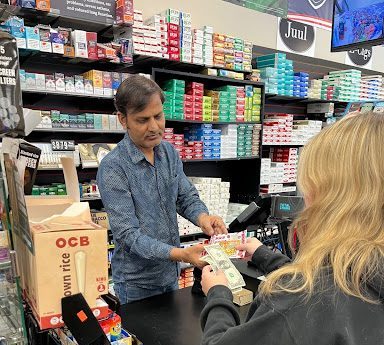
{"points": [[174, 318], [169, 319]]}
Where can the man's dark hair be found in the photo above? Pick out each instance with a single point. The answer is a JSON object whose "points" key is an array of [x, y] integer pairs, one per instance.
{"points": [[134, 93]]}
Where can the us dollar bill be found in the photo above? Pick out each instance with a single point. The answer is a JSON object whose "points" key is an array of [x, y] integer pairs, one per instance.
{"points": [[210, 262], [222, 262]]}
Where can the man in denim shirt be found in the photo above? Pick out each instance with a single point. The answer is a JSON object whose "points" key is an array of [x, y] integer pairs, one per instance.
{"points": [[143, 187]]}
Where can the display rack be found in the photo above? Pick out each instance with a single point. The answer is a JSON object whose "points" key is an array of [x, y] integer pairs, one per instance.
{"points": [[12, 323]]}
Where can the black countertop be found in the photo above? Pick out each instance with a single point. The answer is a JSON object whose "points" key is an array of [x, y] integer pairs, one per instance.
{"points": [[169, 319]]}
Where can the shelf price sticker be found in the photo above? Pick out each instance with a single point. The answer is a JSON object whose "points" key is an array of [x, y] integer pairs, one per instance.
{"points": [[63, 145]]}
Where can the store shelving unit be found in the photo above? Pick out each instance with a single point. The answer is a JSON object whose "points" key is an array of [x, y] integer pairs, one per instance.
{"points": [[213, 122], [63, 94], [78, 130], [242, 172], [31, 57]]}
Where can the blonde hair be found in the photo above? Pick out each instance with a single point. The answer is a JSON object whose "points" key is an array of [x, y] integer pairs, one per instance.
{"points": [[341, 171]]}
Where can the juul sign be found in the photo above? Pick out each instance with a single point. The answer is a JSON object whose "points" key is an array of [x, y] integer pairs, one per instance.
{"points": [[296, 37]]}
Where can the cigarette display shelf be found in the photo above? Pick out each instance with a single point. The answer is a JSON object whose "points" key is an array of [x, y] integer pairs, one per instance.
{"points": [[145, 63], [219, 160], [93, 167], [161, 74], [214, 122], [141, 63], [78, 130], [291, 99], [63, 94], [283, 145], [33, 17], [30, 57]]}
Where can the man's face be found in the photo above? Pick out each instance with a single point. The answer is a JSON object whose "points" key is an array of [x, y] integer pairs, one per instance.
{"points": [[146, 128]]}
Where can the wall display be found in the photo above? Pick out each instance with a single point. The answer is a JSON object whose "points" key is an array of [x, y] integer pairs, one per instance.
{"points": [[276, 7], [101, 11], [315, 12], [357, 23], [361, 57], [295, 37]]}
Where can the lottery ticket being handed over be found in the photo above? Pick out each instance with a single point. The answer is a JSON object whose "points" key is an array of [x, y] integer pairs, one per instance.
{"points": [[229, 242]]}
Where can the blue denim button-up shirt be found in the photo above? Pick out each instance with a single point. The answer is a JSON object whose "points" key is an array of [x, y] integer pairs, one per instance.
{"points": [[142, 201]]}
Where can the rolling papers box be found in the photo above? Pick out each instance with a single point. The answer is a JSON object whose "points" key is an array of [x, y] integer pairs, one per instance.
{"points": [[70, 253]]}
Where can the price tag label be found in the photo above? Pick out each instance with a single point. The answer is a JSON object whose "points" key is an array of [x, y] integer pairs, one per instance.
{"points": [[63, 145]]}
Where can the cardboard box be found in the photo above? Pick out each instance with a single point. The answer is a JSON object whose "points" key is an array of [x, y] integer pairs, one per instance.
{"points": [[32, 37], [69, 84], [43, 5], [57, 42], [50, 83], [243, 297], [69, 51], [79, 40], [70, 253], [45, 38], [124, 12], [40, 81], [107, 83], [100, 218], [60, 82], [79, 84], [92, 45], [19, 33]]}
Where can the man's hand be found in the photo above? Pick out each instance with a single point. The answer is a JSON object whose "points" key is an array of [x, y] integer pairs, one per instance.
{"points": [[251, 246], [210, 279], [189, 254], [211, 225]]}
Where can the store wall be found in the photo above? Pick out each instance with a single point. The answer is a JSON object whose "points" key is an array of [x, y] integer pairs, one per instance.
{"points": [[260, 28]]}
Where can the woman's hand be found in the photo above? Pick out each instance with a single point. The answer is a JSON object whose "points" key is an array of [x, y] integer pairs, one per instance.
{"points": [[251, 246], [210, 279]]}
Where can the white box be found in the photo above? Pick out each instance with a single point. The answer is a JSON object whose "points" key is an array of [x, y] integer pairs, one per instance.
{"points": [[79, 39], [46, 47], [58, 48], [40, 81]]}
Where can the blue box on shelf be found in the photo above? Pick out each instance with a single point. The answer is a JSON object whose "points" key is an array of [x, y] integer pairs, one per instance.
{"points": [[302, 74], [248, 88], [207, 156], [206, 137], [216, 155], [207, 143]]}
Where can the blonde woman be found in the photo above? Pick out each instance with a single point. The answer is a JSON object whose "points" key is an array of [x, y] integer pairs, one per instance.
{"points": [[333, 291]]}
